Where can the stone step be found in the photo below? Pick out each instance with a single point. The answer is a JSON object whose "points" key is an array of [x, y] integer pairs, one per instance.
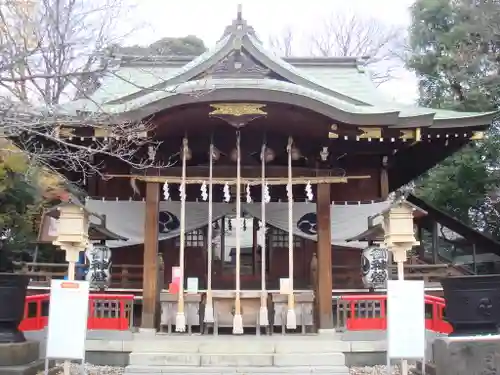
{"points": [[237, 359], [32, 368], [223, 345], [264, 370]]}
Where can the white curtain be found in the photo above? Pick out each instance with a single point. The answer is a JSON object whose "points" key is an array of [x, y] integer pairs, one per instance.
{"points": [[346, 220], [126, 218]]}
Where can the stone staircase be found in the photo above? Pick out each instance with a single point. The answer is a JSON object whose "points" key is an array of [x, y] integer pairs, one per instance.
{"points": [[239, 355]]}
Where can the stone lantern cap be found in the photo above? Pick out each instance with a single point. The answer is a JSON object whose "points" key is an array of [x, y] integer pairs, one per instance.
{"points": [[71, 201], [401, 203], [97, 230]]}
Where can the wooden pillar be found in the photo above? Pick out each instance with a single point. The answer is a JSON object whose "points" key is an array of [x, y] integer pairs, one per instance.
{"points": [[435, 242], [324, 289], [150, 272], [384, 179]]}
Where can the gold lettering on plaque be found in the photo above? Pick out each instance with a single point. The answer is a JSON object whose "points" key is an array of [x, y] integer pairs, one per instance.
{"points": [[407, 134], [65, 132], [237, 109], [476, 136], [370, 132], [333, 134]]}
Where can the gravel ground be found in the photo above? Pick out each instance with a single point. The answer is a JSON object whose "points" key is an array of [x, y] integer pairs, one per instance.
{"points": [[377, 370], [110, 370], [89, 370]]}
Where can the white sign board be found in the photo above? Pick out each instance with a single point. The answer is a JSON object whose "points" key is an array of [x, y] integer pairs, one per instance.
{"points": [[284, 286], [176, 272], [192, 285], [68, 313], [405, 319]]}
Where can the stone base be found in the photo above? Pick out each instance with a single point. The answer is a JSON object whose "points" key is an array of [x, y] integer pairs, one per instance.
{"points": [[18, 353], [28, 369], [21, 358], [475, 355]]}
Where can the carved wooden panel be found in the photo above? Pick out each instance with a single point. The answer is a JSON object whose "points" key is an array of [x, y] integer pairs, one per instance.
{"points": [[238, 64]]}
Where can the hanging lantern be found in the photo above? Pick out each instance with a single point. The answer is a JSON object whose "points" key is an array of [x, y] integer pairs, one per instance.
{"points": [[99, 275], [324, 154], [374, 261], [151, 153], [215, 154], [234, 155], [295, 153], [269, 155], [189, 153]]}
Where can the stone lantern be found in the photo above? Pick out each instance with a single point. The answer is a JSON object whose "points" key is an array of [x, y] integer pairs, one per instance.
{"points": [[73, 224], [399, 233], [72, 232]]}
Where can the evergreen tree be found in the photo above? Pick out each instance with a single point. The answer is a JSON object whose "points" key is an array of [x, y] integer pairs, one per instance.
{"points": [[25, 191], [455, 47]]}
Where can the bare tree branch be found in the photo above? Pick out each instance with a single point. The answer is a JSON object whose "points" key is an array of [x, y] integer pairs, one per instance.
{"points": [[345, 34], [49, 51], [282, 45]]}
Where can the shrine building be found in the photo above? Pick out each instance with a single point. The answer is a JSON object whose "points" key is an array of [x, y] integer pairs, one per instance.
{"points": [[270, 176]]}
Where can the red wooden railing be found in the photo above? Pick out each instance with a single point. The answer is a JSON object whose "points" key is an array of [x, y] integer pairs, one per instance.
{"points": [[36, 313], [434, 321], [114, 312], [106, 312]]}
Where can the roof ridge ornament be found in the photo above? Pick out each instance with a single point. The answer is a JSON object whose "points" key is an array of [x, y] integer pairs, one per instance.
{"points": [[239, 26], [239, 14]]}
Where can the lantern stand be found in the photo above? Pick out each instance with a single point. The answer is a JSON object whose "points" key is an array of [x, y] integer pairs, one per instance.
{"points": [[399, 238], [72, 237]]}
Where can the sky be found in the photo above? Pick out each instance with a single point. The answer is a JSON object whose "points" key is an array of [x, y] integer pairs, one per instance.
{"points": [[207, 19]]}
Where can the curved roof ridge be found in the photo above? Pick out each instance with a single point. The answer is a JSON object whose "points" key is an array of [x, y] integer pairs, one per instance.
{"points": [[218, 49], [218, 83], [236, 36], [275, 91], [295, 75]]}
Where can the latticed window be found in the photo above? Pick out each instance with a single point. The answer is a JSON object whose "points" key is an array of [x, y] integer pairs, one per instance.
{"points": [[279, 238], [195, 238]]}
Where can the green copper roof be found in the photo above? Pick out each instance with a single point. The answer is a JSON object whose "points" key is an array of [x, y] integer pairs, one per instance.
{"points": [[144, 85]]}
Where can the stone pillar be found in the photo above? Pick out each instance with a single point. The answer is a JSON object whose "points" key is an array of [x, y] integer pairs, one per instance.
{"points": [[150, 271], [324, 286]]}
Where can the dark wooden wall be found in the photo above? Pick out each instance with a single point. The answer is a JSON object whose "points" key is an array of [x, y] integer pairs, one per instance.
{"points": [[346, 265]]}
